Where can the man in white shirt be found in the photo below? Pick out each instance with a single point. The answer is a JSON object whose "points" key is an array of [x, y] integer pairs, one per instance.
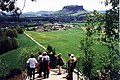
{"points": [[32, 64]]}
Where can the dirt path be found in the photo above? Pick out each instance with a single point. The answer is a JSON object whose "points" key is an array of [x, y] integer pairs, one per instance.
{"points": [[35, 41], [53, 75]]}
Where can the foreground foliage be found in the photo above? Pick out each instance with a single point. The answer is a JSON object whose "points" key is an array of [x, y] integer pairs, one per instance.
{"points": [[106, 27]]}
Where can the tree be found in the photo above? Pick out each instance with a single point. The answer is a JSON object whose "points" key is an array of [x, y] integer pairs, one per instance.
{"points": [[5, 45], [110, 38], [15, 43], [19, 29], [88, 59], [86, 47], [107, 28], [12, 33], [9, 6]]}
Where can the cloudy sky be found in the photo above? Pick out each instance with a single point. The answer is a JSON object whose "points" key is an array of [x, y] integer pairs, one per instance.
{"points": [[54, 5]]}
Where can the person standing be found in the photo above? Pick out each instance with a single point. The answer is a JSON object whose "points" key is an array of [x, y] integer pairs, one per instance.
{"points": [[46, 61], [32, 64], [60, 63], [72, 66], [40, 64], [68, 64]]}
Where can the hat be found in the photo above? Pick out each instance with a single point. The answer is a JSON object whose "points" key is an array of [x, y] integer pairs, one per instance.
{"points": [[51, 52], [72, 55], [44, 53], [59, 55]]}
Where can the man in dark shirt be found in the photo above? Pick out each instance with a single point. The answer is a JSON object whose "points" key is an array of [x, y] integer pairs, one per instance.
{"points": [[72, 66], [46, 61]]}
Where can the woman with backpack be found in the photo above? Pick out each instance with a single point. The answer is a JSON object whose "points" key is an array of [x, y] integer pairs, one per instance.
{"points": [[60, 63]]}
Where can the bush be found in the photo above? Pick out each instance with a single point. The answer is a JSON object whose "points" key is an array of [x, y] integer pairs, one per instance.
{"points": [[20, 30], [2, 78], [7, 44], [12, 33], [15, 43], [14, 72]]}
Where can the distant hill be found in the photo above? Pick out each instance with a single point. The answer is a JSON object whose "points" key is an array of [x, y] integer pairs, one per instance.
{"points": [[72, 10], [36, 14], [103, 11], [44, 13]]}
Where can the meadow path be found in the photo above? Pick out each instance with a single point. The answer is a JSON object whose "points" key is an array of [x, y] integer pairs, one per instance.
{"points": [[35, 41]]}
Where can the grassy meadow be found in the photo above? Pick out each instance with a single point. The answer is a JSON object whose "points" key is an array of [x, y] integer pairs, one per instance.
{"points": [[11, 58], [64, 42]]}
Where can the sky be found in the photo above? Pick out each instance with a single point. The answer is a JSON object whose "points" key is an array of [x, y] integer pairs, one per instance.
{"points": [[55, 5]]}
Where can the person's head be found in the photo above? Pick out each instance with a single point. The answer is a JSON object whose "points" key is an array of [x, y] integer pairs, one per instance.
{"points": [[72, 58], [59, 55], [32, 56], [72, 55], [51, 53], [44, 53], [40, 53], [69, 54]]}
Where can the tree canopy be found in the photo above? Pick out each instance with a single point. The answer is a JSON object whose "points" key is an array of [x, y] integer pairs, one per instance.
{"points": [[9, 6]]}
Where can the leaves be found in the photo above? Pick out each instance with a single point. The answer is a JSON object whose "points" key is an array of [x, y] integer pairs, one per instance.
{"points": [[10, 7], [3, 66]]}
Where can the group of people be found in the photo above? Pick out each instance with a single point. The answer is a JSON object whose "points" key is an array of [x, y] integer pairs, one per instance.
{"points": [[43, 65]]}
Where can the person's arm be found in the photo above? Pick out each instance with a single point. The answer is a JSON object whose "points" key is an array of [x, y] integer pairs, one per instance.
{"points": [[38, 58], [36, 62], [27, 64], [28, 61]]}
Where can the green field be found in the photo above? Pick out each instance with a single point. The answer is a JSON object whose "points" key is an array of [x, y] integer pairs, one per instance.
{"points": [[64, 41], [11, 57]]}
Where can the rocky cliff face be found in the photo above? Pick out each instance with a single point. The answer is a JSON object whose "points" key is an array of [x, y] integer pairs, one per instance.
{"points": [[73, 7], [71, 10]]}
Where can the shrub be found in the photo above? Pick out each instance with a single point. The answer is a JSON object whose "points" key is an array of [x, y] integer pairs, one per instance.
{"points": [[13, 72], [5, 45], [2, 78], [20, 30], [12, 33], [15, 43]]}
